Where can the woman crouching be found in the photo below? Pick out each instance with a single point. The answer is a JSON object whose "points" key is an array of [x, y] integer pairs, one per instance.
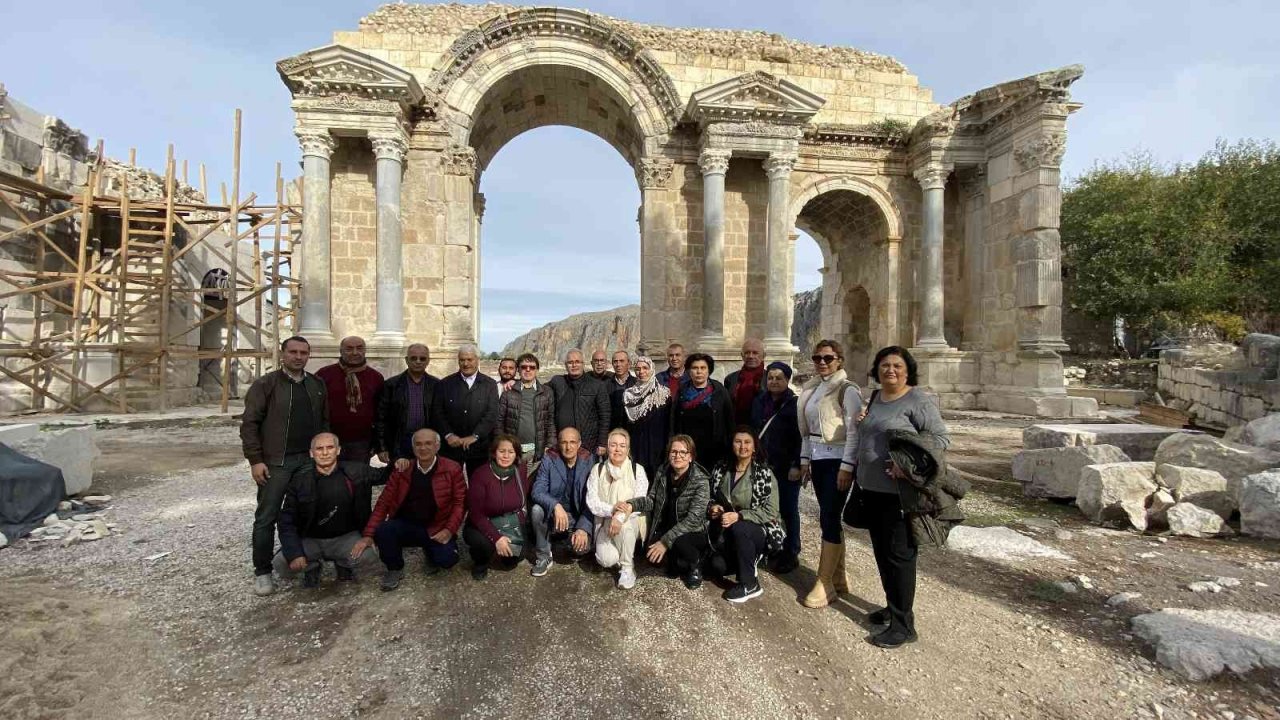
{"points": [[617, 479], [496, 499], [676, 508], [745, 525]]}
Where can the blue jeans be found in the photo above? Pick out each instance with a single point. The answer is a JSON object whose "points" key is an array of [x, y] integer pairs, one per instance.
{"points": [[830, 499], [394, 535]]}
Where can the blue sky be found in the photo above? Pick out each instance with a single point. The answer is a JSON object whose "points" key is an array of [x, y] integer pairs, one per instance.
{"points": [[1165, 77]]}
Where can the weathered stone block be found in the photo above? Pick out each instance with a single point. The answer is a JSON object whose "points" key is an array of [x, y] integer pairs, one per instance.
{"points": [[1055, 472], [73, 451], [1232, 460], [1194, 521], [1139, 442], [1205, 488], [1260, 504], [1116, 492]]}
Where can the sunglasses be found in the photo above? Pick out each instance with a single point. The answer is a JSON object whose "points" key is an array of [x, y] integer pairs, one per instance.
{"points": [[528, 367], [824, 359]]}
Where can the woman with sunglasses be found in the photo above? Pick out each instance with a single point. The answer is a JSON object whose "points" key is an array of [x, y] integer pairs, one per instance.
{"points": [[828, 409]]}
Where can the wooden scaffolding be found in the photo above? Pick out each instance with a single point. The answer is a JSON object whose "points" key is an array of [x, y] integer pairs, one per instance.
{"points": [[106, 293]]}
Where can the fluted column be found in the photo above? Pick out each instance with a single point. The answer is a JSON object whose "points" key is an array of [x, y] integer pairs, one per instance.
{"points": [[314, 310], [389, 149], [714, 165], [933, 180], [779, 307]]}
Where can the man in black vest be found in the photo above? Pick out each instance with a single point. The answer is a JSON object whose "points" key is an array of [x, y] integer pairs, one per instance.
{"points": [[405, 406], [466, 411]]}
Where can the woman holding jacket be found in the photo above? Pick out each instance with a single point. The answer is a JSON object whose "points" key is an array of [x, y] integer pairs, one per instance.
{"points": [[676, 506], [745, 526]]}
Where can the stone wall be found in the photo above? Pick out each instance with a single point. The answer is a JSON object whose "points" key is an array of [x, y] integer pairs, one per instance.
{"points": [[1224, 390]]}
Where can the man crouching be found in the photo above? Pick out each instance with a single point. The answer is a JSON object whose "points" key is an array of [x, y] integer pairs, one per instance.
{"points": [[422, 506], [326, 505]]}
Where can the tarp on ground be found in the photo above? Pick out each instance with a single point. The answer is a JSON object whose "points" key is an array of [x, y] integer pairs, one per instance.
{"points": [[29, 492]]}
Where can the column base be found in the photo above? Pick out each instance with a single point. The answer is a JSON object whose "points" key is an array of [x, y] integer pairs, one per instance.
{"points": [[932, 344], [712, 343], [384, 339], [319, 338], [780, 348]]}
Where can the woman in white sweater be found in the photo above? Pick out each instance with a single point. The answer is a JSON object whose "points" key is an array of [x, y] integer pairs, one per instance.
{"points": [[617, 480]]}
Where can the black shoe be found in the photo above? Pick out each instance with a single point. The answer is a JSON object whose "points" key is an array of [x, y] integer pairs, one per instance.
{"points": [[893, 637], [693, 579], [429, 568], [479, 572], [879, 617], [311, 578], [345, 574], [785, 564], [741, 593]]}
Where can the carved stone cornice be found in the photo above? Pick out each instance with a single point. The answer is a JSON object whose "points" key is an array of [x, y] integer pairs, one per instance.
{"points": [[349, 76], [755, 129], [1043, 151], [754, 96], [714, 162], [654, 173], [932, 176], [389, 146], [459, 160], [347, 102], [778, 166], [317, 143]]}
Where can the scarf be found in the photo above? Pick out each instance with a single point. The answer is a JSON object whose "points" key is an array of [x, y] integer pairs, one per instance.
{"points": [[749, 383], [691, 397], [353, 385], [502, 473], [645, 397]]}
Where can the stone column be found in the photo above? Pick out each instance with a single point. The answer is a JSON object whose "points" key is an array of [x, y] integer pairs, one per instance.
{"points": [[780, 306], [933, 180], [714, 165], [654, 176], [314, 310], [973, 187], [477, 205], [458, 164], [389, 149]]}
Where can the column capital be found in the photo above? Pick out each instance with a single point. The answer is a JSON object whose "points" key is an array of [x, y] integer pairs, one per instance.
{"points": [[714, 162], [316, 142], [654, 173], [459, 160], [389, 145], [778, 166], [932, 176]]}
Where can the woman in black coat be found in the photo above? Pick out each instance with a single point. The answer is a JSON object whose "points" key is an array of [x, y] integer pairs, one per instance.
{"points": [[773, 416], [704, 411]]}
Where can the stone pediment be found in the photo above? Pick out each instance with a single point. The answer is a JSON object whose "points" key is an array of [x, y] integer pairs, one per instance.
{"points": [[754, 96], [339, 71]]}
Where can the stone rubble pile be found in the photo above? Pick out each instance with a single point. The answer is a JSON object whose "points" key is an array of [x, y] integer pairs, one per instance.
{"points": [[82, 520], [1158, 479]]}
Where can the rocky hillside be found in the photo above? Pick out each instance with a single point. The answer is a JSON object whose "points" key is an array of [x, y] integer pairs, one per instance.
{"points": [[620, 328]]}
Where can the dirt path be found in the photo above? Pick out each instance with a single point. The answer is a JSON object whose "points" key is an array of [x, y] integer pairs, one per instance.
{"points": [[98, 628]]}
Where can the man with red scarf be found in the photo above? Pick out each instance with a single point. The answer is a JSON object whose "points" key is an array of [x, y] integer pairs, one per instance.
{"points": [[745, 384], [353, 389]]}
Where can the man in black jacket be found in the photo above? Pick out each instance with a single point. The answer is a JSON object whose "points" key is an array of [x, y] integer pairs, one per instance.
{"points": [[405, 406], [283, 410], [582, 402], [326, 507], [466, 411]]}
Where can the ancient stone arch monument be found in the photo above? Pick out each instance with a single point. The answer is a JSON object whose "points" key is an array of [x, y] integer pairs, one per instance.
{"points": [[938, 222]]}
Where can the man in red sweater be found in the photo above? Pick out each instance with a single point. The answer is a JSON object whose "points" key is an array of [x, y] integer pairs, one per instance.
{"points": [[422, 506], [353, 399]]}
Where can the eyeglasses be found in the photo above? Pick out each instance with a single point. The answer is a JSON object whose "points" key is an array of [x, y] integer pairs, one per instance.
{"points": [[413, 358], [824, 359], [680, 453], [528, 367]]}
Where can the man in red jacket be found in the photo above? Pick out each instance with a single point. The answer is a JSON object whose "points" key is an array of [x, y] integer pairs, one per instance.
{"points": [[422, 506]]}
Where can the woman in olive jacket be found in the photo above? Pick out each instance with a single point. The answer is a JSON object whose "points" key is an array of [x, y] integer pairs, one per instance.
{"points": [[745, 523], [676, 506]]}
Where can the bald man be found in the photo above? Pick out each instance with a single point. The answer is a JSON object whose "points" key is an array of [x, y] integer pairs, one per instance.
{"points": [[405, 406], [326, 506], [747, 383], [353, 388]]}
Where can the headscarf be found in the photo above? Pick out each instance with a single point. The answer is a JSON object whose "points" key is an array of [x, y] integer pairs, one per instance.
{"points": [[768, 408], [644, 397]]}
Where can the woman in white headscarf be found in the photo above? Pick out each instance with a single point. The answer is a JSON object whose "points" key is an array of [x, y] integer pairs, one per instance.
{"points": [[647, 416]]}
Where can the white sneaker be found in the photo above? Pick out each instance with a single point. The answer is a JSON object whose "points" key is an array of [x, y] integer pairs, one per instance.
{"points": [[263, 585], [627, 579]]}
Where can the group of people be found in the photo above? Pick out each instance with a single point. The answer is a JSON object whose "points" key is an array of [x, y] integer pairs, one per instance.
{"points": [[618, 460]]}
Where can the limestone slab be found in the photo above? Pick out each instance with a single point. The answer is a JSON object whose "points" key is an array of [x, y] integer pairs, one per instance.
{"points": [[1260, 504], [1199, 644], [1055, 472], [1206, 488], [72, 450], [1117, 492], [1233, 460], [1137, 441]]}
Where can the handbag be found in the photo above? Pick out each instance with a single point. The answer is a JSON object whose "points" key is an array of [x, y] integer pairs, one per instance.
{"points": [[856, 514], [510, 525]]}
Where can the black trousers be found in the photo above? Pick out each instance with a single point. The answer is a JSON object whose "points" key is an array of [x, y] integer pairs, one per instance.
{"points": [[483, 550], [686, 552], [895, 552], [743, 546]]}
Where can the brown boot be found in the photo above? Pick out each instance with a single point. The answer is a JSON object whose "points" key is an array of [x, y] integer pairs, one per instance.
{"points": [[839, 578], [823, 591]]}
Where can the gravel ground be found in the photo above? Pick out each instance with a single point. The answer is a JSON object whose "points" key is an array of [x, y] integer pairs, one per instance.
{"points": [[98, 628]]}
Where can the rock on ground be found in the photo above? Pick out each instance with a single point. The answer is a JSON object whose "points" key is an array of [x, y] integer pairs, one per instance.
{"points": [[1232, 460], [1137, 441], [72, 451], [1260, 504], [1000, 544], [1264, 432], [1117, 491], [1199, 644], [1194, 521], [1206, 488], [1055, 472], [1158, 507]]}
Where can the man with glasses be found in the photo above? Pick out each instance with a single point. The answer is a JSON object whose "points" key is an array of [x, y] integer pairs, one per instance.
{"points": [[618, 382], [527, 411], [673, 377], [405, 406], [582, 402], [600, 367]]}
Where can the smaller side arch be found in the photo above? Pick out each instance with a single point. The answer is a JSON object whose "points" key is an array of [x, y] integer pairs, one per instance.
{"points": [[878, 195]]}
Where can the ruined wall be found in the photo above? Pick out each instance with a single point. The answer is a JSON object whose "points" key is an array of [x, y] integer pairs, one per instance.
{"points": [[1228, 389]]}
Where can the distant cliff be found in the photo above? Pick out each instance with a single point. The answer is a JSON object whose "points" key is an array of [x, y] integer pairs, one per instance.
{"points": [[620, 328]]}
